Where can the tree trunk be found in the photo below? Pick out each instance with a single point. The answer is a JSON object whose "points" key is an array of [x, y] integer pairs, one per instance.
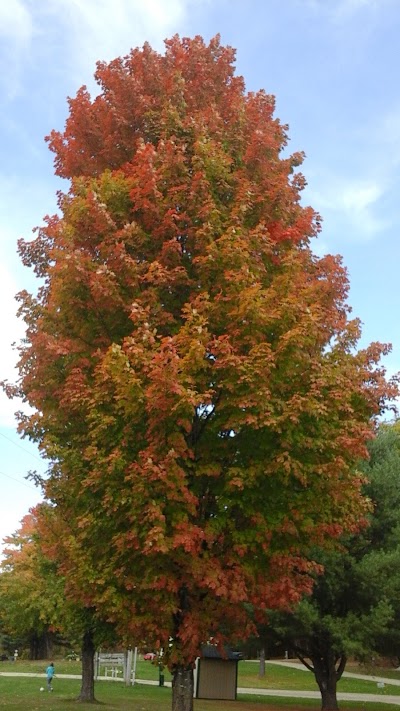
{"points": [[329, 699], [261, 670], [87, 686], [41, 646], [48, 641], [33, 647], [326, 678], [182, 689]]}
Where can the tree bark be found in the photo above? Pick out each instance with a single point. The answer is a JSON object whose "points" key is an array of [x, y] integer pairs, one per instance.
{"points": [[87, 686], [47, 645], [41, 646], [182, 689], [326, 678], [327, 667], [329, 699], [33, 647], [261, 670]]}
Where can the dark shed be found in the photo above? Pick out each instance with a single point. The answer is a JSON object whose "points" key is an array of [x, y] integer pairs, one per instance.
{"points": [[217, 673]]}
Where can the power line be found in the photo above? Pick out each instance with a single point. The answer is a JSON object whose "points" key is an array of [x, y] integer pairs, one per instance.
{"points": [[20, 447], [18, 480]]}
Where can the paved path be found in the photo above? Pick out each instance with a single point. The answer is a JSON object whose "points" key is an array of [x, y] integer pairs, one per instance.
{"points": [[350, 675], [383, 697]]}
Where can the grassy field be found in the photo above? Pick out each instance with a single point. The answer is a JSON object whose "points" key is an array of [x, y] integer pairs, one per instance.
{"points": [[144, 670], [281, 677], [389, 672], [23, 694], [277, 677]]}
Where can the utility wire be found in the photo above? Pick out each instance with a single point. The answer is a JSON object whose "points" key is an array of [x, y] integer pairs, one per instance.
{"points": [[18, 480], [20, 447]]}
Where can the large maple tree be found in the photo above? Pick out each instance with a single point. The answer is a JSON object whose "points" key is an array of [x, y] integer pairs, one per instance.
{"points": [[192, 364]]}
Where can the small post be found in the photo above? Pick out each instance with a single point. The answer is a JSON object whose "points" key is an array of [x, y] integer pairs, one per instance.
{"points": [[160, 669], [134, 667], [195, 676], [128, 667]]}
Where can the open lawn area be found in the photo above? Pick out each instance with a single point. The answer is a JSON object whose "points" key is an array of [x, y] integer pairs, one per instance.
{"points": [[23, 694], [277, 677], [282, 677]]}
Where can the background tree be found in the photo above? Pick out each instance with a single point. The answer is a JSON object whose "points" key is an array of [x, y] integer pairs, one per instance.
{"points": [[380, 547], [28, 601], [76, 616], [33, 600], [191, 362], [354, 609]]}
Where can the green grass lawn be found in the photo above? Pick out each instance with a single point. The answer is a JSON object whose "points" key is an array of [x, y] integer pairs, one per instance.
{"points": [[144, 670], [23, 694], [373, 670], [39, 667], [277, 677], [281, 677]]}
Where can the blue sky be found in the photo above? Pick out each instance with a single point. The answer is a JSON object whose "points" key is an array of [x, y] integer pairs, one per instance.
{"points": [[333, 66]]}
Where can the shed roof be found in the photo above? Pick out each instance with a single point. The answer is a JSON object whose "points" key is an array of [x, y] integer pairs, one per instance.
{"points": [[211, 651]]}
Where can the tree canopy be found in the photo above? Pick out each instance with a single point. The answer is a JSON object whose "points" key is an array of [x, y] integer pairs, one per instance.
{"points": [[354, 608], [30, 593], [36, 604], [192, 364]]}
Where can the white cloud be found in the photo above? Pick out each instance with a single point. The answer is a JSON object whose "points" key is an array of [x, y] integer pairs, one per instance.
{"points": [[385, 134], [358, 201], [12, 330], [104, 29], [81, 32], [358, 197], [344, 9], [15, 22], [16, 31], [353, 202], [367, 200], [320, 247], [357, 16], [349, 7], [22, 204]]}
